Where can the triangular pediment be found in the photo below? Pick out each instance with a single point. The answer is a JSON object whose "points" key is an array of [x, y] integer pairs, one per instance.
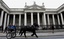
{"points": [[34, 6]]}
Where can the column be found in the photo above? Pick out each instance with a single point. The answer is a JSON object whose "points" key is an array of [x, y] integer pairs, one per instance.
{"points": [[58, 19], [5, 21], [53, 19], [38, 18], [2, 13], [31, 18], [25, 19], [61, 17], [19, 19], [8, 20], [48, 19], [13, 19], [44, 19]]}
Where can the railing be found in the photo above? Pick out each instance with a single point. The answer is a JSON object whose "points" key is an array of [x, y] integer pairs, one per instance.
{"points": [[43, 27], [46, 27], [1, 28]]}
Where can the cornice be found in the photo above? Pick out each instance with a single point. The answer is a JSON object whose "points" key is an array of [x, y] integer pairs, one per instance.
{"points": [[60, 7], [4, 5]]}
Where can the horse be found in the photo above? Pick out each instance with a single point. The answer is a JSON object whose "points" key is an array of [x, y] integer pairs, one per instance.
{"points": [[32, 29]]}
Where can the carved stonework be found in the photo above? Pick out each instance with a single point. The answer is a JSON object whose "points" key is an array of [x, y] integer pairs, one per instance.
{"points": [[35, 6]]}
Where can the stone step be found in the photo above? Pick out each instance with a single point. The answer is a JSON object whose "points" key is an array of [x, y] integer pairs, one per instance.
{"points": [[48, 31]]}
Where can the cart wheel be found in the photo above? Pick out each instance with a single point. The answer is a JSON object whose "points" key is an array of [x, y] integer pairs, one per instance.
{"points": [[8, 35], [13, 34]]}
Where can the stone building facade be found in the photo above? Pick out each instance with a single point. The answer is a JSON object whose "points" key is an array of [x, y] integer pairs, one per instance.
{"points": [[31, 14]]}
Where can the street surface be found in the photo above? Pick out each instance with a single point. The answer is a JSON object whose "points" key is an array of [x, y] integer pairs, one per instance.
{"points": [[43, 37]]}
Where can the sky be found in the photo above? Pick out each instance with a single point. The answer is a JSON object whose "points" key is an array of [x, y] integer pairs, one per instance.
{"points": [[21, 3]]}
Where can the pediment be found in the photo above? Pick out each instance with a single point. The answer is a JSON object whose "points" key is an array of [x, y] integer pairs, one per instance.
{"points": [[34, 6]]}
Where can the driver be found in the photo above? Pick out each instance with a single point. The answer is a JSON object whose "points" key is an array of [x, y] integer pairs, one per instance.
{"points": [[12, 28]]}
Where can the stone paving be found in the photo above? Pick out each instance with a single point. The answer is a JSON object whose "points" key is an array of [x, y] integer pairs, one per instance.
{"points": [[39, 34], [48, 37], [59, 32]]}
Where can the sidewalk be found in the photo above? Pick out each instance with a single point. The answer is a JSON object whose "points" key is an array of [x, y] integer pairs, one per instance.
{"points": [[39, 34]]}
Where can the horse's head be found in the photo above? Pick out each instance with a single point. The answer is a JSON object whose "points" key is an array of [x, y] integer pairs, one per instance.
{"points": [[36, 25]]}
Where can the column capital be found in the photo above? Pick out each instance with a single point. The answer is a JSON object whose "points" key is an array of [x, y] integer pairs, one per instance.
{"points": [[14, 14], [53, 14], [25, 12], [32, 12], [44, 13], [2, 11]]}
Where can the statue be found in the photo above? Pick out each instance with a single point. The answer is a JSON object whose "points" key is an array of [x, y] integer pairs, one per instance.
{"points": [[25, 4], [43, 4]]}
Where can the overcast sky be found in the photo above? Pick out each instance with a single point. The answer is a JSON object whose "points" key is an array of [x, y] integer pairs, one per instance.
{"points": [[21, 3]]}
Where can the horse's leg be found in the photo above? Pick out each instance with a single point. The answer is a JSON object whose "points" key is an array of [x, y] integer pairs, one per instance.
{"points": [[32, 34], [21, 32], [35, 34], [24, 33]]}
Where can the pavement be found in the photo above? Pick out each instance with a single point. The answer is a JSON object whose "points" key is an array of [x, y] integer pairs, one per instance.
{"points": [[39, 34], [59, 32], [52, 37]]}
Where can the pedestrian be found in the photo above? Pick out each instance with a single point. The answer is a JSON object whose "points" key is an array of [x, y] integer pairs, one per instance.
{"points": [[52, 28]]}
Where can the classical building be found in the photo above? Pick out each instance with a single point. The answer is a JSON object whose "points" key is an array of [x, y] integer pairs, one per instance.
{"points": [[31, 14]]}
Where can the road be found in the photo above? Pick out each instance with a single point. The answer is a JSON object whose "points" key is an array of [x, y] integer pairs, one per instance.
{"points": [[44, 37]]}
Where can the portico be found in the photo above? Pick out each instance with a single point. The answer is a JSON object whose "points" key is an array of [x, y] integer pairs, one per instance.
{"points": [[31, 14], [29, 18]]}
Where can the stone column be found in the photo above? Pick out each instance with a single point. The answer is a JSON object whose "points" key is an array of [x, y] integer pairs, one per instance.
{"points": [[61, 17], [19, 19], [44, 19], [38, 18], [48, 19], [8, 20], [58, 19], [2, 13], [5, 21], [25, 19], [53, 19], [31, 18], [13, 19]]}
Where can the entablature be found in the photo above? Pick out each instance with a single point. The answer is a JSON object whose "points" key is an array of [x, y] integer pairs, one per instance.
{"points": [[16, 9], [4, 6], [34, 10]]}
